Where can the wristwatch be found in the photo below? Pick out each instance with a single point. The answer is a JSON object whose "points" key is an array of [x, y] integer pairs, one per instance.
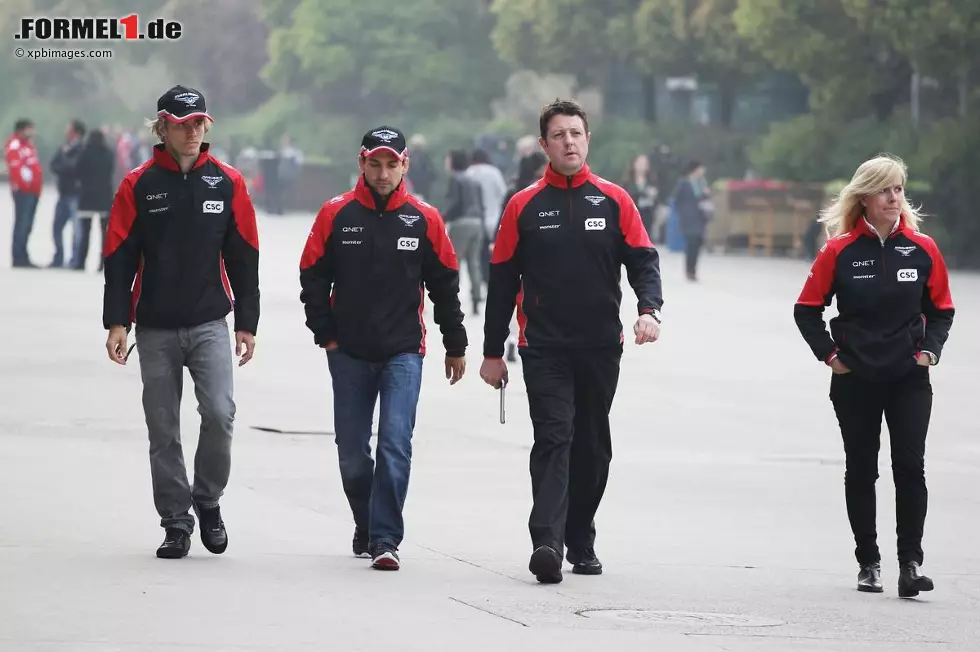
{"points": [[933, 358], [656, 315]]}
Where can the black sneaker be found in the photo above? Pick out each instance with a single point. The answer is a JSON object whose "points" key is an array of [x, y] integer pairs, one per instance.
{"points": [[911, 580], [385, 557], [545, 565], [175, 545], [869, 578], [213, 534], [360, 544], [584, 561]]}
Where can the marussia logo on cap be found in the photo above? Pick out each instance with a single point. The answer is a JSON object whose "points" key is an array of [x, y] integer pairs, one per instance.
{"points": [[387, 135], [190, 99]]}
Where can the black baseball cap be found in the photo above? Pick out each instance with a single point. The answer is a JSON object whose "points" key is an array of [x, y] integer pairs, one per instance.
{"points": [[384, 138], [180, 104]]}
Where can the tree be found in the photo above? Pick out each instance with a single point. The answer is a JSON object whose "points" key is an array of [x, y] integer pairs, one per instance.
{"points": [[660, 38], [940, 38], [381, 58], [849, 72]]}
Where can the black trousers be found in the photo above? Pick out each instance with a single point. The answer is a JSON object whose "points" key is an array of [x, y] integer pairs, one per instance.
{"points": [[907, 406], [692, 251], [570, 394]]}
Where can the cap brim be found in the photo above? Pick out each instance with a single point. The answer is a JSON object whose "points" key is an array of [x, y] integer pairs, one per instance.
{"points": [[384, 148], [184, 118]]}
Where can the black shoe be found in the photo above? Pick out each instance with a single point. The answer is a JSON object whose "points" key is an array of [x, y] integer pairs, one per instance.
{"points": [[584, 561], [360, 544], [911, 580], [869, 578], [545, 565], [176, 544], [385, 557], [213, 534]]}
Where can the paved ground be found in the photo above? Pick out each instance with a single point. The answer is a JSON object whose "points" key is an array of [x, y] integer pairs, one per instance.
{"points": [[723, 528]]}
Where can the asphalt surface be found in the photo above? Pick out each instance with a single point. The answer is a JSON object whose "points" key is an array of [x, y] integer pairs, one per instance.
{"points": [[723, 527]]}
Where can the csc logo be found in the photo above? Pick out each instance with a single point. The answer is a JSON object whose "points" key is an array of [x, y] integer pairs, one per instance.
{"points": [[595, 224], [408, 244], [213, 206], [906, 275]]}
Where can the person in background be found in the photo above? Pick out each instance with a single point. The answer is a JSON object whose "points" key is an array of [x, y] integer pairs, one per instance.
{"points": [[422, 173], [692, 201], [463, 214], [895, 312], [639, 185], [26, 181], [96, 167], [65, 167], [494, 188], [290, 167]]}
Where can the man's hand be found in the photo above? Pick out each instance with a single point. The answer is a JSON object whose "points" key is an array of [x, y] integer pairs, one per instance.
{"points": [[115, 344], [330, 346], [248, 340], [839, 367], [493, 370], [455, 368], [923, 360], [646, 329]]}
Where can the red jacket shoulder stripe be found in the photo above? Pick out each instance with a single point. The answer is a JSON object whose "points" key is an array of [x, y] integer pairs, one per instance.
{"points": [[316, 243]]}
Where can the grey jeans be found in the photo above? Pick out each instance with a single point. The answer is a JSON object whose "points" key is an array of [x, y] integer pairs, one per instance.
{"points": [[467, 237], [206, 352]]}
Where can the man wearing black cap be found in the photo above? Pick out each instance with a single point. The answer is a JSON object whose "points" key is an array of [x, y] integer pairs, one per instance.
{"points": [[181, 253], [370, 256]]}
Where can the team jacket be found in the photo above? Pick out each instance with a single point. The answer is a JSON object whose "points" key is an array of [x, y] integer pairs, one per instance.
{"points": [[181, 249], [893, 301], [363, 273], [558, 255], [23, 166]]}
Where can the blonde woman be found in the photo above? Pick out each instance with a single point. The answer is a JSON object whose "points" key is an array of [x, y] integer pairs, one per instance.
{"points": [[895, 313]]}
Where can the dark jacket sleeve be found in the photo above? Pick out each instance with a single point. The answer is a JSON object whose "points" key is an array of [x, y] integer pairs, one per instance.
{"points": [[440, 273], [640, 257], [241, 257], [123, 253], [937, 304], [316, 276], [454, 200], [505, 280], [817, 293]]}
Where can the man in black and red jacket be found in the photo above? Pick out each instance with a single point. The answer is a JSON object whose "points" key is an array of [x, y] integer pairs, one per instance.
{"points": [[558, 255], [182, 252], [370, 255], [895, 312]]}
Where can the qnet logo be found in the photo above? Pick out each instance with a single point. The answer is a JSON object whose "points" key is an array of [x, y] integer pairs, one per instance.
{"points": [[128, 28]]}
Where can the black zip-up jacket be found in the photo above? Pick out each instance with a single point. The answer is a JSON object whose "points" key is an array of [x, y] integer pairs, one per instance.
{"points": [[558, 255], [364, 270], [893, 301], [181, 249]]}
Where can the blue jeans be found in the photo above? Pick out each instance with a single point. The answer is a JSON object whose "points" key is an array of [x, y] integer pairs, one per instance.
{"points": [[376, 495], [65, 211], [25, 205]]}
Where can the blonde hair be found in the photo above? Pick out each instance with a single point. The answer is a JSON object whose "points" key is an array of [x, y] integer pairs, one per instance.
{"points": [[871, 177], [157, 125]]}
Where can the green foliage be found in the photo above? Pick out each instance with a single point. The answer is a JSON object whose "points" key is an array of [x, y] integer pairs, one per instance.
{"points": [[377, 58], [814, 148]]}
